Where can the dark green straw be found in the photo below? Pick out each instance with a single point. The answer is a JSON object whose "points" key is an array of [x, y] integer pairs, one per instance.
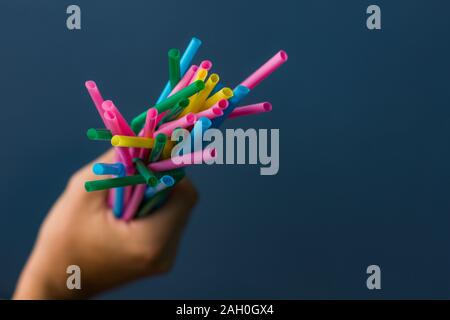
{"points": [[148, 175], [158, 147], [97, 185], [174, 67], [99, 134], [193, 88], [173, 112], [152, 203]]}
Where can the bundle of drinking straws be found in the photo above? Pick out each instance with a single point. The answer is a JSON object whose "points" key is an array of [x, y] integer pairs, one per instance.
{"points": [[193, 99]]}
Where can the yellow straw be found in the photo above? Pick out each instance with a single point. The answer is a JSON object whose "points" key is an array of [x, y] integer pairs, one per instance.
{"points": [[132, 142], [199, 99], [224, 93]]}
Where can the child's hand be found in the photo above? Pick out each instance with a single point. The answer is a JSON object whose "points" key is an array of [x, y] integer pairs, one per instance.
{"points": [[81, 230]]}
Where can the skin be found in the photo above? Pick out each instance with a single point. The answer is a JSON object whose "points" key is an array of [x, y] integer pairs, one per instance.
{"points": [[81, 230]]}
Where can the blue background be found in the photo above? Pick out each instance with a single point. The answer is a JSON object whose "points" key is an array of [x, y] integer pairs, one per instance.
{"points": [[364, 124]]}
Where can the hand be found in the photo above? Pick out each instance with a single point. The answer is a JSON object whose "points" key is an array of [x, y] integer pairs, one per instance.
{"points": [[81, 230]]}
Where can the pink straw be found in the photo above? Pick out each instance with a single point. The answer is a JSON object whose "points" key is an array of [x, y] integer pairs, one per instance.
{"points": [[125, 128], [135, 201], [211, 113], [113, 125], [250, 109], [185, 80], [96, 96], [184, 160], [205, 64], [222, 104], [149, 128], [184, 122], [265, 70]]}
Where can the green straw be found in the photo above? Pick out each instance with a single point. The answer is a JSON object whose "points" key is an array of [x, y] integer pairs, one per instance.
{"points": [[99, 134], [97, 185], [148, 175], [174, 67], [158, 147], [147, 208], [168, 103], [173, 112]]}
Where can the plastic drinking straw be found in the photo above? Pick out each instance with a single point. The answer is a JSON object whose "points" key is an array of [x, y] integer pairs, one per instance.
{"points": [[202, 71], [116, 169], [167, 151], [218, 87], [206, 64], [149, 128], [168, 127], [185, 62], [108, 105], [99, 134], [265, 70], [174, 67], [196, 137], [111, 121], [185, 80], [148, 175], [132, 142], [184, 160], [224, 93], [164, 105], [163, 183], [199, 99], [211, 113], [104, 184], [239, 93], [201, 74], [222, 104], [160, 142], [250, 109], [175, 111], [96, 96], [135, 201], [153, 203]]}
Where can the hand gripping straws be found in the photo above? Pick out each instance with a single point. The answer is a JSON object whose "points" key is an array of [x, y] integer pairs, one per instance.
{"points": [[144, 173]]}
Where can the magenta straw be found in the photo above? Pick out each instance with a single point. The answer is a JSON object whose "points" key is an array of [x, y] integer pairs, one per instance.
{"points": [[250, 109], [222, 104], [211, 113], [96, 96], [265, 70], [184, 122], [185, 80], [184, 160]]}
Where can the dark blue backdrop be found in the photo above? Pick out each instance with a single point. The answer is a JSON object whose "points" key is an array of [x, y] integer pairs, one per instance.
{"points": [[364, 124]]}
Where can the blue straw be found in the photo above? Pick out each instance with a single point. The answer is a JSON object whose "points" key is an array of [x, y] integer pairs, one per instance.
{"points": [[164, 183], [185, 62], [239, 93], [117, 169]]}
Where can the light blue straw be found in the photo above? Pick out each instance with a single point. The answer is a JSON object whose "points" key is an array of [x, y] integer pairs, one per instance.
{"points": [[164, 183], [185, 63], [117, 169], [239, 93]]}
